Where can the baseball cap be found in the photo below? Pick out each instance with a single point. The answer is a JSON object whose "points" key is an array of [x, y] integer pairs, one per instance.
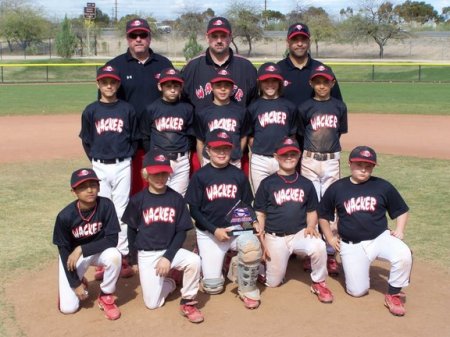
{"points": [[222, 75], [156, 161], [170, 74], [81, 175], [269, 70], [323, 71], [219, 137], [363, 154], [298, 29], [218, 24], [108, 71], [286, 145], [137, 24]]}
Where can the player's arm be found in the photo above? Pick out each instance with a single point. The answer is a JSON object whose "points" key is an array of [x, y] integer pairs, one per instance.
{"points": [[85, 133], [200, 146], [311, 224], [243, 143], [328, 234], [261, 216], [400, 227]]}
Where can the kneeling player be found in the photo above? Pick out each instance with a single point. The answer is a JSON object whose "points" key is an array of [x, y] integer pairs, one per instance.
{"points": [[158, 220], [86, 233], [212, 193], [361, 202], [285, 205]]}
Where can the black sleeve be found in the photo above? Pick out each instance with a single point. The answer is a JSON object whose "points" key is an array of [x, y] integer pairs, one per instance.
{"points": [[200, 221], [175, 245], [145, 129], [132, 255], [72, 276]]}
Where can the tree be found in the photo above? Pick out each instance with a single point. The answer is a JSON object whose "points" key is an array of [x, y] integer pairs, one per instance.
{"points": [[192, 48], [245, 21], [192, 23], [320, 25], [271, 18], [415, 11], [66, 41]]}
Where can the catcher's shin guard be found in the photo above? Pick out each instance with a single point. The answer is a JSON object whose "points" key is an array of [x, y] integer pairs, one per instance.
{"points": [[249, 257]]}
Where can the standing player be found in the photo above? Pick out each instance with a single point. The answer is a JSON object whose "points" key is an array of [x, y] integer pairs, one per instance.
{"points": [[109, 136], [212, 193], [86, 234], [361, 201], [222, 114], [272, 118], [139, 70], [321, 122], [158, 220], [166, 124], [285, 205]]}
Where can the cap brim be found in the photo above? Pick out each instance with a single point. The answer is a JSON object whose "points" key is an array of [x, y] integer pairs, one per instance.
{"points": [[99, 77], [167, 79], [131, 30], [222, 79], [361, 160], [267, 76], [327, 76], [286, 149], [78, 183], [219, 29], [158, 169], [298, 33], [218, 143]]}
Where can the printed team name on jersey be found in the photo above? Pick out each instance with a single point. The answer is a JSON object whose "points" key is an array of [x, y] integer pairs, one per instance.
{"points": [[86, 230], [202, 93], [228, 124], [158, 214], [365, 204], [324, 121], [272, 117], [289, 194], [227, 191], [169, 124], [109, 124]]}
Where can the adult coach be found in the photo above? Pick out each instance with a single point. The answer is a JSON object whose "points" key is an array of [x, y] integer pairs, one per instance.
{"points": [[296, 68], [139, 70]]}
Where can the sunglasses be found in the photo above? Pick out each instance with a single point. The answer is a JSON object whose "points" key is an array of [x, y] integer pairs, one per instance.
{"points": [[134, 36]]}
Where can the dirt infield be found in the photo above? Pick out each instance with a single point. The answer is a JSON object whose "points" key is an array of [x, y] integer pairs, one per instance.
{"points": [[290, 310]]}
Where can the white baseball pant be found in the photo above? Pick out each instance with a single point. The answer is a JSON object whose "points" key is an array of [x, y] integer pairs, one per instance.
{"points": [[110, 259], [321, 173], [260, 168], [357, 258], [179, 179]]}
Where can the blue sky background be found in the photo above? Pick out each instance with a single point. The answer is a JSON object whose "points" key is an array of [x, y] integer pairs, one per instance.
{"points": [[161, 9]]}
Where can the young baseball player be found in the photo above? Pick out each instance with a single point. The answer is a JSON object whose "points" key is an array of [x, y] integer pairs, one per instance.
{"points": [[212, 192], [109, 135], [285, 205], [272, 118], [222, 114], [86, 233], [361, 201], [321, 122], [158, 220], [166, 124]]}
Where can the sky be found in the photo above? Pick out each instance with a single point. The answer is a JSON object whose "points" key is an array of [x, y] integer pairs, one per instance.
{"points": [[161, 9]]}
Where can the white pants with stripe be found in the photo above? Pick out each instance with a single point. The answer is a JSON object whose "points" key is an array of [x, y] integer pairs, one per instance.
{"points": [[110, 259]]}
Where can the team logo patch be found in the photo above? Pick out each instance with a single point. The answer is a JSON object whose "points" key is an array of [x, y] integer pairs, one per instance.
{"points": [[321, 68], [83, 173], [288, 141], [366, 154], [218, 23], [160, 158], [170, 72], [223, 72], [157, 76], [299, 27], [108, 68], [223, 135], [270, 68], [136, 23]]}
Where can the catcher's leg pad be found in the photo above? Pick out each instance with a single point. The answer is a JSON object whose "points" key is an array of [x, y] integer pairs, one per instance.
{"points": [[213, 286], [248, 260]]}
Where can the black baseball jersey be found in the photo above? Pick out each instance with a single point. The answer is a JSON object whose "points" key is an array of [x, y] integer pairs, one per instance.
{"points": [[109, 130], [216, 190], [361, 208], [167, 126], [285, 200], [200, 70], [157, 218], [139, 80], [270, 121], [231, 117], [322, 123], [100, 232], [296, 81]]}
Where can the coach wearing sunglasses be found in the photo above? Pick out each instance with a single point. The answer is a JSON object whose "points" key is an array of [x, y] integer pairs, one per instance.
{"points": [[139, 70]]}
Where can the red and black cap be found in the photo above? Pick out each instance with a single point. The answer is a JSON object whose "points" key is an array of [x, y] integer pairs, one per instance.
{"points": [[218, 24], [286, 145], [108, 71], [219, 137], [363, 154], [137, 24], [81, 175], [170, 74], [323, 71], [156, 161], [298, 29], [269, 70], [222, 75]]}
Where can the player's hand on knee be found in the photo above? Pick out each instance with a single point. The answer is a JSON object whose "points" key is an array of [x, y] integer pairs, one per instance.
{"points": [[312, 232], [265, 254], [162, 267], [335, 242], [81, 292], [398, 234], [221, 234]]}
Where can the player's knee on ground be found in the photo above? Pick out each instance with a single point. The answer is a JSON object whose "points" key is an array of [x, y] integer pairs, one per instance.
{"points": [[213, 286], [69, 308], [249, 257], [357, 292]]}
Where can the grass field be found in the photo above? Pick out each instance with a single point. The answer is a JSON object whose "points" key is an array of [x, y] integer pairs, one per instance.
{"points": [[400, 98]]}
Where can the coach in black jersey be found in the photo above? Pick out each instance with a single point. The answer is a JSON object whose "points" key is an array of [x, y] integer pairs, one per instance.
{"points": [[297, 66], [198, 72]]}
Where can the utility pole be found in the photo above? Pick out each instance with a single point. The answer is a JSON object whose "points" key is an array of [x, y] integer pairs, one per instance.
{"points": [[115, 16]]}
